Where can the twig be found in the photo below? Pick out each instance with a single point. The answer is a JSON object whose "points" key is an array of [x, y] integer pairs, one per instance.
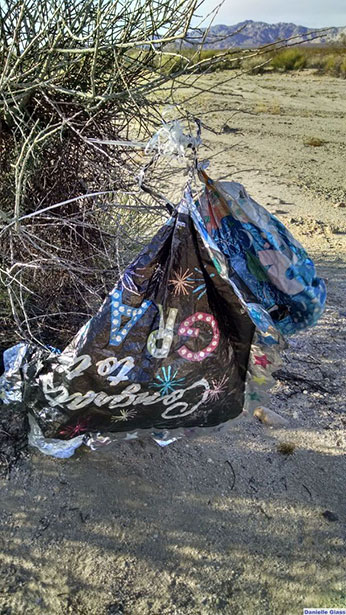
{"points": [[233, 474]]}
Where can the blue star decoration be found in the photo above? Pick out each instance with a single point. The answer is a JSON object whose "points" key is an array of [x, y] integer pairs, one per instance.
{"points": [[167, 381]]}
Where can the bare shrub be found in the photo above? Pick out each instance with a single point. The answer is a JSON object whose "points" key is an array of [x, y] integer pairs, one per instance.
{"points": [[73, 73]]}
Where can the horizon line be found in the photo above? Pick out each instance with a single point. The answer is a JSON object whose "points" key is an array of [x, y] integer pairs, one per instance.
{"points": [[277, 23]]}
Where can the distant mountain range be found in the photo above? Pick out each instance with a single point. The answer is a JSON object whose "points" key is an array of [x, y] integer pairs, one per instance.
{"points": [[256, 33]]}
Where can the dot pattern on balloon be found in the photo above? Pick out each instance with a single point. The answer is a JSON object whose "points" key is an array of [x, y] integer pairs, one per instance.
{"points": [[118, 309], [163, 333], [187, 328]]}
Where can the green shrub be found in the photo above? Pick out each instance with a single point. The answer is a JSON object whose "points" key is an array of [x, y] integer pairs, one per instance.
{"points": [[289, 59], [169, 64], [328, 60], [254, 65], [331, 65], [205, 60], [343, 68], [315, 60]]}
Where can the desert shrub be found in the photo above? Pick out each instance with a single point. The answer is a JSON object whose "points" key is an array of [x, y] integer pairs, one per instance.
{"points": [[200, 61], [314, 141], [315, 60], [331, 65], [326, 60], [289, 59], [343, 68], [255, 65], [72, 73], [169, 64], [334, 64]]}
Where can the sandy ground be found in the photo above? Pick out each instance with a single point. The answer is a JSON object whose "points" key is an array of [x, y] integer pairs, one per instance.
{"points": [[226, 523]]}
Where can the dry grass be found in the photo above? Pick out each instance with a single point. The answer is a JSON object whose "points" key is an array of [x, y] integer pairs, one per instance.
{"points": [[314, 142], [272, 108]]}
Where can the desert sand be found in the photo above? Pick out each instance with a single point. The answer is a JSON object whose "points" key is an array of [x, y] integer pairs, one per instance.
{"points": [[226, 523]]}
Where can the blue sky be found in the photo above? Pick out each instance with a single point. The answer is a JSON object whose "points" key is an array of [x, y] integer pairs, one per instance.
{"points": [[311, 13]]}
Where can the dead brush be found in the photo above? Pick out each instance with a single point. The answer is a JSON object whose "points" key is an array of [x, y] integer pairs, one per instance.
{"points": [[72, 216], [286, 448], [271, 108]]}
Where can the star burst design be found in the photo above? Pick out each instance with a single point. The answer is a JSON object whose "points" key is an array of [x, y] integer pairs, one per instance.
{"points": [[182, 282], [201, 288], [219, 387], [167, 381], [124, 415]]}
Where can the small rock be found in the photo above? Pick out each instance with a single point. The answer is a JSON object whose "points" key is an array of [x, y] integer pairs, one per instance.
{"points": [[333, 230], [269, 417], [229, 130], [330, 516], [341, 204], [115, 609]]}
